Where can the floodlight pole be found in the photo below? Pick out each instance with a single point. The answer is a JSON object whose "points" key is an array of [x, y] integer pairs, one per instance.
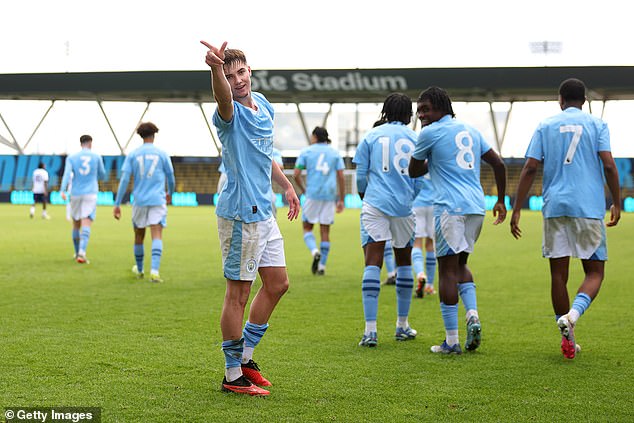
{"points": [[5, 141], [213, 137], [147, 106], [39, 124], [99, 102]]}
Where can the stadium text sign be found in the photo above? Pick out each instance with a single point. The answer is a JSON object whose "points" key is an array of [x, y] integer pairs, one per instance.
{"points": [[336, 81]]}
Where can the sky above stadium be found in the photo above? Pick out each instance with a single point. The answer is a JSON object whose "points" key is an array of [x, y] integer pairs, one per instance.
{"points": [[117, 35]]}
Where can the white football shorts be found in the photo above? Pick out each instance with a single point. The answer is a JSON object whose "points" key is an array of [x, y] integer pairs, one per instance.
{"points": [[574, 237], [144, 216], [456, 233], [318, 211], [424, 222], [83, 206], [381, 227], [248, 246]]}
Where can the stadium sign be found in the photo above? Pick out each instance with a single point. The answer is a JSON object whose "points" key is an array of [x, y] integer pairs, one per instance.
{"points": [[269, 81]]}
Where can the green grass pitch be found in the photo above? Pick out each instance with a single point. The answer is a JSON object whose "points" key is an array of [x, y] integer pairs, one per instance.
{"points": [[92, 335]]}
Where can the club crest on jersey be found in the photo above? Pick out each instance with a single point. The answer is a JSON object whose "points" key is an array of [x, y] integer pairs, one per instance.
{"points": [[251, 266]]}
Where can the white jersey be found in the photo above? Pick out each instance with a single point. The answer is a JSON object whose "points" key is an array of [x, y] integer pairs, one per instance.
{"points": [[40, 178]]}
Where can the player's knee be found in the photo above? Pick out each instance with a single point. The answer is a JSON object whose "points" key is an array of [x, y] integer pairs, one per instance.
{"points": [[278, 288]]}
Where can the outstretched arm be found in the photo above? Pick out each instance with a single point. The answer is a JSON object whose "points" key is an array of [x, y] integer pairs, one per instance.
{"points": [[499, 171], [527, 176], [612, 179], [219, 84]]}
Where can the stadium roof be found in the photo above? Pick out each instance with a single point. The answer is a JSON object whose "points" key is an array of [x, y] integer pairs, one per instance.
{"points": [[324, 85]]}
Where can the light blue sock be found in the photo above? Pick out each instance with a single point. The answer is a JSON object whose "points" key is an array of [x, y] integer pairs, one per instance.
{"points": [[417, 260], [404, 287], [139, 254], [388, 257], [84, 236], [581, 303], [157, 252], [76, 240], [467, 293], [253, 333], [370, 289], [324, 247], [309, 240], [233, 352], [449, 316], [430, 266]]}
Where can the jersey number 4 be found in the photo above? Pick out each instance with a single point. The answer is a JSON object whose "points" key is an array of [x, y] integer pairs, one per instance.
{"points": [[322, 165]]}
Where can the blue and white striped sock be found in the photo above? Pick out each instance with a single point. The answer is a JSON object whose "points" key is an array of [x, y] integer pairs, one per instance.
{"points": [[404, 287], [579, 306], [325, 249], [157, 252], [252, 334], [309, 240], [449, 314], [232, 350], [75, 235], [417, 260], [388, 258], [467, 293], [84, 237], [139, 254], [430, 266], [370, 289]]}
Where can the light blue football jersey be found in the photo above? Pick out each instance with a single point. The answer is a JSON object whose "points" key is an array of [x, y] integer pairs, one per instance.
{"points": [[247, 147], [453, 150], [151, 169], [86, 169], [382, 160], [425, 197], [321, 162], [569, 144]]}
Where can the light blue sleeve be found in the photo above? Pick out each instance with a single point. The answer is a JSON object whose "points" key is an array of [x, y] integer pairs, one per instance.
{"points": [[101, 173], [423, 144], [123, 183], [362, 159], [66, 177], [604, 138], [169, 173], [535, 149], [340, 164]]}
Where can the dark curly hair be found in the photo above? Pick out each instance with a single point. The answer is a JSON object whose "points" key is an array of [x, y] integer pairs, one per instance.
{"points": [[439, 99], [146, 129], [397, 107]]}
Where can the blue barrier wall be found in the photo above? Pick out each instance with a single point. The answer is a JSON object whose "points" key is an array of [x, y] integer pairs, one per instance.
{"points": [[16, 181]]}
